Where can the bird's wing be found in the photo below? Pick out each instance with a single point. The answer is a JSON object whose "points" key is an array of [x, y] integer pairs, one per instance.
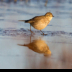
{"points": [[35, 19]]}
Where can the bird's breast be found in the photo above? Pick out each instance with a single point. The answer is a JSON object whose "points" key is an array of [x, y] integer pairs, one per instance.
{"points": [[40, 25]]}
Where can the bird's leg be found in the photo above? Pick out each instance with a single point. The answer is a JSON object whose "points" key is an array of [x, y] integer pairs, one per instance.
{"points": [[30, 29], [43, 33]]}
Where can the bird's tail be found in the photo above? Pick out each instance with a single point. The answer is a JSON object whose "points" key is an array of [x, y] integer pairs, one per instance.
{"points": [[26, 21], [22, 45], [22, 20]]}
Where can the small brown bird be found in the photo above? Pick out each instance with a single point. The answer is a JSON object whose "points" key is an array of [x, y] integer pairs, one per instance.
{"points": [[40, 22]]}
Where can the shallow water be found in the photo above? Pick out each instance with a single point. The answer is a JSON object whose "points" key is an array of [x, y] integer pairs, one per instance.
{"points": [[22, 50]]}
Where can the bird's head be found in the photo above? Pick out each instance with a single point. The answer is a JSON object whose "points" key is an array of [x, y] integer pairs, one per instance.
{"points": [[49, 15]]}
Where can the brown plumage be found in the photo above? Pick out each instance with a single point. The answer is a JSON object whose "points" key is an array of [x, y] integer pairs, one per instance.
{"points": [[40, 22]]}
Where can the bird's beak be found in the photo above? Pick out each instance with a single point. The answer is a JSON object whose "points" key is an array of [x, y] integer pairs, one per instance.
{"points": [[52, 16]]}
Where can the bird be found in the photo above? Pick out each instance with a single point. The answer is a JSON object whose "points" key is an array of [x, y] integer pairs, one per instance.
{"points": [[40, 22]]}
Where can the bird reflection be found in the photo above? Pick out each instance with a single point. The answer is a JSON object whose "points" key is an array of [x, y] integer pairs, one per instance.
{"points": [[39, 46]]}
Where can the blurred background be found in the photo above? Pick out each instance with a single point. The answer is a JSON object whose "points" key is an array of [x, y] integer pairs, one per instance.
{"points": [[17, 44]]}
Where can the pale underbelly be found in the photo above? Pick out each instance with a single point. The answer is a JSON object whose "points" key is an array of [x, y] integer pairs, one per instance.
{"points": [[39, 26]]}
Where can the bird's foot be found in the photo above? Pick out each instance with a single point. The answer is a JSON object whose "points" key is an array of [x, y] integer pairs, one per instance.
{"points": [[31, 31], [44, 34]]}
